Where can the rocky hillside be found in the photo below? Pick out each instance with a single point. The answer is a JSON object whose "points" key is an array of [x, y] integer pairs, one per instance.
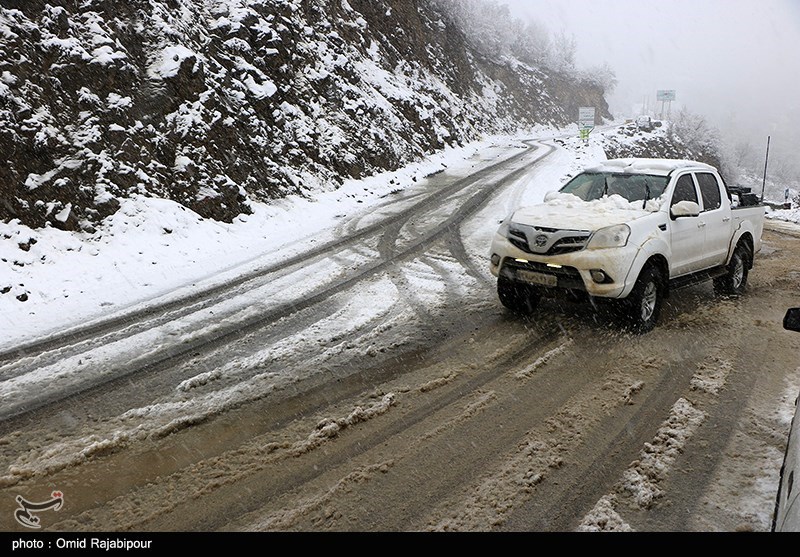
{"points": [[212, 103], [665, 140]]}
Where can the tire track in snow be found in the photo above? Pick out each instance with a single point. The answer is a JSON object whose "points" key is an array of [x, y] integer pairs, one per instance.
{"points": [[166, 494], [640, 486], [225, 333], [104, 330]]}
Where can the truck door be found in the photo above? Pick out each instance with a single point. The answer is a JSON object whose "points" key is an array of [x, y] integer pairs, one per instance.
{"points": [[687, 234], [717, 217]]}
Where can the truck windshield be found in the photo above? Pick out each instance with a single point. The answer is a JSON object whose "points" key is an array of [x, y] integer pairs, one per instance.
{"points": [[633, 187]]}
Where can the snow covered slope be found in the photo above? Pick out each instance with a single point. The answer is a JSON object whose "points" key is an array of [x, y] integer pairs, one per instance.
{"points": [[214, 103]]}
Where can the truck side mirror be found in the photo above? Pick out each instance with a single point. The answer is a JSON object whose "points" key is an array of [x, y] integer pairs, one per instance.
{"points": [[684, 209], [791, 321]]}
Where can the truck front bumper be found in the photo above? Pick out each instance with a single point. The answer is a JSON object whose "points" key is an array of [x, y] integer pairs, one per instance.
{"points": [[600, 273]]}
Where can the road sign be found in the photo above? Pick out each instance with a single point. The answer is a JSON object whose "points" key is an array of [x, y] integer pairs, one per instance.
{"points": [[586, 117], [666, 95], [585, 121]]}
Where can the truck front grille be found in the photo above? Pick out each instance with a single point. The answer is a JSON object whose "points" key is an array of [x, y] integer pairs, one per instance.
{"points": [[547, 241]]}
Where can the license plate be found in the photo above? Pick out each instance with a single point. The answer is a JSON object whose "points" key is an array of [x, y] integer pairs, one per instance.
{"points": [[537, 278]]}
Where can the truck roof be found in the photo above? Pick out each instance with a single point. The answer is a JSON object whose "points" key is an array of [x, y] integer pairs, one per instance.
{"points": [[658, 167]]}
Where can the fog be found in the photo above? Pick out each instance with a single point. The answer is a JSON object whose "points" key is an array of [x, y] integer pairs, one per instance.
{"points": [[735, 62]]}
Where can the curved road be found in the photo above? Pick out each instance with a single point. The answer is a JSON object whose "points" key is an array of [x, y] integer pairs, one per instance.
{"points": [[374, 383]]}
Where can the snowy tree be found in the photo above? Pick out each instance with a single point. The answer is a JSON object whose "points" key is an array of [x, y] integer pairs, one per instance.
{"points": [[701, 139], [783, 168], [695, 131], [491, 29], [532, 44], [562, 54], [743, 154], [602, 76], [482, 21]]}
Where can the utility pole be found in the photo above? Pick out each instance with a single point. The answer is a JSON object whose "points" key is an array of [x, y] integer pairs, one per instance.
{"points": [[766, 162]]}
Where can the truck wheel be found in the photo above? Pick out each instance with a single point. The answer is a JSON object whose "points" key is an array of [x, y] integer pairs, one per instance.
{"points": [[644, 302], [519, 298], [734, 281]]}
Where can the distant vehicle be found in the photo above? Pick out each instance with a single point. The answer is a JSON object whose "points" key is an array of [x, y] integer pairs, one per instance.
{"points": [[644, 123], [629, 230], [787, 504]]}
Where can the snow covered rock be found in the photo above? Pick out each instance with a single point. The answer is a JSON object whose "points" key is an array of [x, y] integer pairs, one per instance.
{"points": [[212, 103]]}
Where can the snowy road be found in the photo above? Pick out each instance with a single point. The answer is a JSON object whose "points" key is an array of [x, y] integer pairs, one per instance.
{"points": [[361, 250], [368, 379]]}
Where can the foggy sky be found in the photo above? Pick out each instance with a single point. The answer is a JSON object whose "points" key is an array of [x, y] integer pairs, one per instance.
{"points": [[737, 62]]}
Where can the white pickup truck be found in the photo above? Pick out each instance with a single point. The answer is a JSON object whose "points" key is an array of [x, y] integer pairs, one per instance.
{"points": [[632, 230]]}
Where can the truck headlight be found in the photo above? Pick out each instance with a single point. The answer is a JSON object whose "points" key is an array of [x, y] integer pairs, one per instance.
{"points": [[610, 237]]}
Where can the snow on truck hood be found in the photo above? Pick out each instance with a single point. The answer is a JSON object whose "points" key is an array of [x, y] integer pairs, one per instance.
{"points": [[566, 211]]}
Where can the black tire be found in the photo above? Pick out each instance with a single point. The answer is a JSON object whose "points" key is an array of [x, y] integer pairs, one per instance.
{"points": [[645, 300], [519, 298], [734, 281]]}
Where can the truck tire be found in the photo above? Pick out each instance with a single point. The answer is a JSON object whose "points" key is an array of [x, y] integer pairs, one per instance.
{"points": [[734, 281], [644, 301], [519, 298]]}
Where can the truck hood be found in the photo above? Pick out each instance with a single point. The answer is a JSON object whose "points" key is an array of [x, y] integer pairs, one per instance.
{"points": [[565, 211]]}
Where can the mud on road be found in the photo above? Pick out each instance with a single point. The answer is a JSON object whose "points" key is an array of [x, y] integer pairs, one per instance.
{"points": [[437, 411]]}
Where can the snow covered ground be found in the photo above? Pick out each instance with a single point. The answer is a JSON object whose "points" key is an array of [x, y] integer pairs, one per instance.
{"points": [[153, 250]]}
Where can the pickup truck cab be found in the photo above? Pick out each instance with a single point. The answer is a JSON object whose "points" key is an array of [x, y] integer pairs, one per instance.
{"points": [[630, 230]]}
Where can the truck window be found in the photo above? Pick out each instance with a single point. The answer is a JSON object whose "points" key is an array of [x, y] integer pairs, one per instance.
{"points": [[633, 187], [586, 185], [709, 190], [684, 190]]}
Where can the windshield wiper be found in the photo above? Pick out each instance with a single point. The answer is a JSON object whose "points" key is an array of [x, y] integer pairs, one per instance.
{"points": [[646, 192], [605, 187]]}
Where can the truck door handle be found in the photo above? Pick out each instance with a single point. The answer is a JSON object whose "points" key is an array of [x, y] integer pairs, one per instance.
{"points": [[726, 219], [701, 225]]}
